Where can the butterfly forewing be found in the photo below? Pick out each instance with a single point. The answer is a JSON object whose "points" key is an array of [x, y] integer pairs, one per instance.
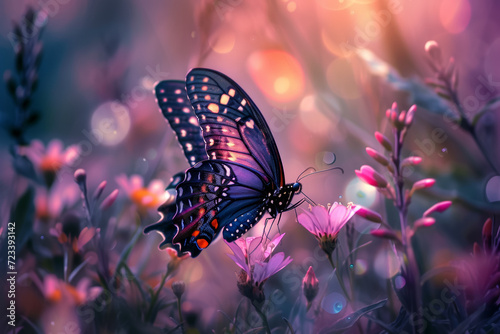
{"points": [[223, 108], [177, 109]]}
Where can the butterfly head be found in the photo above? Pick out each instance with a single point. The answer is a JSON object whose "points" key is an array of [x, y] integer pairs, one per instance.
{"points": [[297, 188]]}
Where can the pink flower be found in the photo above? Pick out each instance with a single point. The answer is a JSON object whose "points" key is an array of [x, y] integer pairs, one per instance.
{"points": [[51, 159], [76, 243], [368, 175], [326, 224], [150, 197], [253, 255], [56, 290]]}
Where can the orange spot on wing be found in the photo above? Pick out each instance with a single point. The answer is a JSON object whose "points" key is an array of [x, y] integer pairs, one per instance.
{"points": [[202, 243], [195, 233], [214, 223]]}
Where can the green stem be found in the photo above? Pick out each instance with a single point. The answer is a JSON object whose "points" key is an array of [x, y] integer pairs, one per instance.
{"points": [[155, 297], [265, 323], [339, 278], [179, 309]]}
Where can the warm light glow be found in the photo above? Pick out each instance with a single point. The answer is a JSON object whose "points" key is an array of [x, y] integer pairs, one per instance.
{"points": [[110, 123], [341, 80], [335, 4], [223, 42], [277, 73], [455, 15], [313, 119]]}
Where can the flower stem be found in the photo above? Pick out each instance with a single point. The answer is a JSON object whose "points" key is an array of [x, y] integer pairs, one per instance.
{"points": [[181, 320], [149, 314], [265, 323], [339, 278]]}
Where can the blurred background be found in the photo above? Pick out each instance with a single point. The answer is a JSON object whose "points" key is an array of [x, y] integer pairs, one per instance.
{"points": [[322, 72]]}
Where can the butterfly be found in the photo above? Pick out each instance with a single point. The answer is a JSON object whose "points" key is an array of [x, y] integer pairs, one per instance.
{"points": [[236, 173]]}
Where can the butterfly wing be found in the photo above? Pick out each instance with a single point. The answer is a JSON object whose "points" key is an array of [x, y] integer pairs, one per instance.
{"points": [[229, 191], [177, 109], [232, 125]]}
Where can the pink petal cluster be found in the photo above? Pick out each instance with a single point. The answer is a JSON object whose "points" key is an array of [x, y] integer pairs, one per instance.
{"points": [[253, 255], [321, 221]]}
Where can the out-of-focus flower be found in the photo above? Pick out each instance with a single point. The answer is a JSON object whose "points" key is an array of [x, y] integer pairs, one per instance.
{"points": [[438, 207], [178, 288], [422, 184], [310, 286], [369, 175], [49, 204], [326, 224], [56, 290], [68, 233], [51, 159], [368, 214], [386, 234], [480, 273], [145, 198], [175, 260], [253, 256]]}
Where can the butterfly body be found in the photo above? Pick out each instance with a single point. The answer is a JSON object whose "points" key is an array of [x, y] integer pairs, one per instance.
{"points": [[236, 173]]}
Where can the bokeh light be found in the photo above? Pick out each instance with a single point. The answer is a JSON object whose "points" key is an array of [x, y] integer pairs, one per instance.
{"points": [[334, 303], [493, 189], [110, 123], [341, 79], [223, 42], [455, 15], [360, 267], [277, 74], [386, 263], [313, 119], [360, 193]]}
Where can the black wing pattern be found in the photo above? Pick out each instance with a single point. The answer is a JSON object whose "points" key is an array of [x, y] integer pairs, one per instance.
{"points": [[230, 190], [177, 109]]}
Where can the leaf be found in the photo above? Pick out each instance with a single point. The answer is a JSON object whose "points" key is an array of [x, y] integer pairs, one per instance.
{"points": [[490, 105], [420, 94], [352, 318], [23, 215], [464, 325]]}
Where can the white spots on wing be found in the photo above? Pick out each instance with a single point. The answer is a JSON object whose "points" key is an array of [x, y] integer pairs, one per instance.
{"points": [[192, 87], [219, 119], [177, 91], [214, 156], [250, 124], [205, 79], [179, 191], [240, 108], [162, 91], [188, 176], [238, 119], [189, 147], [180, 100], [224, 99], [183, 133], [231, 92], [204, 88], [186, 110], [203, 117], [207, 128], [169, 109], [207, 97], [213, 107], [216, 188], [177, 120], [193, 120], [228, 170], [165, 99], [230, 144], [191, 78], [211, 142], [195, 96], [243, 102]]}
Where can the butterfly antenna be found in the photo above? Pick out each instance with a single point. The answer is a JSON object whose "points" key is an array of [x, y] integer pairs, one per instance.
{"points": [[305, 170], [317, 172]]}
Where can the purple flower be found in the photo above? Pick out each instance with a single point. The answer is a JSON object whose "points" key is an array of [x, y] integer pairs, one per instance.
{"points": [[326, 224], [253, 256]]}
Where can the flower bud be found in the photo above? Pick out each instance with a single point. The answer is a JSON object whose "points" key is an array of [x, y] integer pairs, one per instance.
{"points": [[438, 207], [80, 176], [386, 234], [310, 285], [99, 190], [108, 201], [368, 214], [411, 161], [425, 183], [377, 156], [383, 141], [410, 114], [178, 288], [424, 222], [370, 176], [434, 51]]}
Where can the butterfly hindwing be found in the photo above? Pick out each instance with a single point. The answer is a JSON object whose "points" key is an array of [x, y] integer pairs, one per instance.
{"points": [[176, 108]]}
